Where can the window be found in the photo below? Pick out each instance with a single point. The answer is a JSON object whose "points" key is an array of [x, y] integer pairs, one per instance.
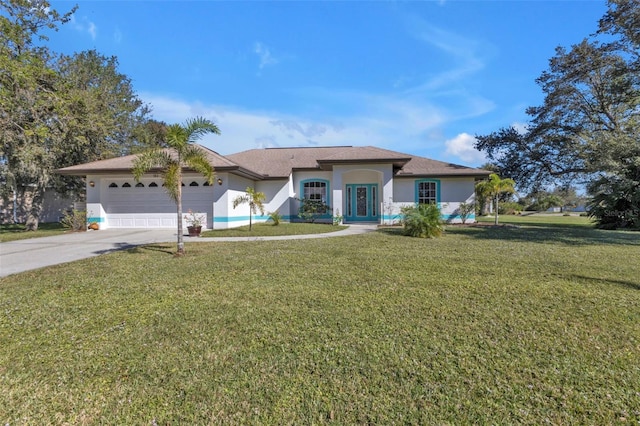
{"points": [[139, 185], [126, 185], [316, 190], [194, 183], [427, 192], [113, 185], [206, 183], [153, 185]]}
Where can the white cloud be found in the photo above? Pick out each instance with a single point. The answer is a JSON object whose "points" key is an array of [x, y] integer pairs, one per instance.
{"points": [[520, 127], [466, 55], [117, 36], [462, 147], [84, 26], [264, 54], [392, 124]]}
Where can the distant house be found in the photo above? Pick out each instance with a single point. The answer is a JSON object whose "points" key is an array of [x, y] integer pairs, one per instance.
{"points": [[363, 184]]}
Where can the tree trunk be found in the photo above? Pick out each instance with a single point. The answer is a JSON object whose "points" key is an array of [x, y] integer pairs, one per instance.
{"points": [[33, 200], [496, 207], [180, 251]]}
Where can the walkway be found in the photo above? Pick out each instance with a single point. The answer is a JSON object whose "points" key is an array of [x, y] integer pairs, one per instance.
{"points": [[34, 253]]}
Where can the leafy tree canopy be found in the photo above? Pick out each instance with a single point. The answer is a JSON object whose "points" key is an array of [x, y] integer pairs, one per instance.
{"points": [[56, 110], [588, 127]]}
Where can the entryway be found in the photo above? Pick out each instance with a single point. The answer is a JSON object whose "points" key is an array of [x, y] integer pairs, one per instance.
{"points": [[361, 202]]}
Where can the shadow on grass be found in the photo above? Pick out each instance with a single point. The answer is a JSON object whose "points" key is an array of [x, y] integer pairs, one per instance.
{"points": [[622, 283], [395, 231], [570, 235], [160, 248], [136, 249]]}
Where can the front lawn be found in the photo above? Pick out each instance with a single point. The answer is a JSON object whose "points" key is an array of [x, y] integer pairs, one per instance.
{"points": [[483, 326], [14, 232], [269, 230]]}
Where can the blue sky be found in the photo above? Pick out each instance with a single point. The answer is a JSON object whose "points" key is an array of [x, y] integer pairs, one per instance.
{"points": [[416, 77]]}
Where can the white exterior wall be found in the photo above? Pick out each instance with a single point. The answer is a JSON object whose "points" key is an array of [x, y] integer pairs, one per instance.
{"points": [[453, 191], [226, 216], [277, 197]]}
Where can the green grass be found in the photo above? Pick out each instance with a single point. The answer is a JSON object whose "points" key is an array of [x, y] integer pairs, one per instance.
{"points": [[268, 230], [485, 325], [545, 219], [14, 232]]}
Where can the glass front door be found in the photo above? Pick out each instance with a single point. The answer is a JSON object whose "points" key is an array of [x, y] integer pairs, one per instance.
{"points": [[361, 202]]}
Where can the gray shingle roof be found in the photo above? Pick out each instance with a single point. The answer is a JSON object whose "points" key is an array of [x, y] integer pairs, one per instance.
{"points": [[280, 162], [124, 164]]}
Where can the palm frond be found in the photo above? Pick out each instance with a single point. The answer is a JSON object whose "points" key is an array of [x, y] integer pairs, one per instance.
{"points": [[198, 127], [240, 199], [177, 137], [149, 160], [172, 180], [196, 159]]}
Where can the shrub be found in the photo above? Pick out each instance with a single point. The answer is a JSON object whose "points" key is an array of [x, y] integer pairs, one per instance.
{"points": [[310, 210], [509, 207], [276, 217], [75, 220], [465, 210], [422, 220], [337, 218]]}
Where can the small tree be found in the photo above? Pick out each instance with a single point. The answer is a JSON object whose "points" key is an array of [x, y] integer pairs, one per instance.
{"points": [[465, 210], [180, 153], [255, 199], [493, 187]]}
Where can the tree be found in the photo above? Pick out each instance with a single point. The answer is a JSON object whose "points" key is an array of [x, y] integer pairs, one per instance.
{"points": [[178, 154], [55, 111], [255, 199], [588, 127], [28, 100], [493, 188]]}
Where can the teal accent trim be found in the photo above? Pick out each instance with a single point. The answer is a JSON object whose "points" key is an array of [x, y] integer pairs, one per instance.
{"points": [[227, 219], [327, 201], [371, 188], [96, 219], [417, 191]]}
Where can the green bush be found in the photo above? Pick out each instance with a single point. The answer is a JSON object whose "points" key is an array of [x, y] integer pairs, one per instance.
{"points": [[75, 220], [422, 220], [276, 217], [509, 207]]}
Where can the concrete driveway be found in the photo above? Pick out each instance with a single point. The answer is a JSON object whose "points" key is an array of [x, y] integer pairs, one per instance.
{"points": [[25, 255]]}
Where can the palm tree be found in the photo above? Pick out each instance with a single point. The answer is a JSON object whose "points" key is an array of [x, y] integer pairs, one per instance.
{"points": [[255, 200], [179, 153], [493, 187]]}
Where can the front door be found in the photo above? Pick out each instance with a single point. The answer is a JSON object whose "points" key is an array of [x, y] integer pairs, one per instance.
{"points": [[361, 202]]}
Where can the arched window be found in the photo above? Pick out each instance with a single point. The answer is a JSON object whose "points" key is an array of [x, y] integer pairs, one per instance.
{"points": [[206, 183], [126, 185], [113, 185], [139, 185], [194, 183], [153, 185], [316, 190]]}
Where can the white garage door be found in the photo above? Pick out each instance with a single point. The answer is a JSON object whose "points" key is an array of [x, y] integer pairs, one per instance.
{"points": [[129, 204]]}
